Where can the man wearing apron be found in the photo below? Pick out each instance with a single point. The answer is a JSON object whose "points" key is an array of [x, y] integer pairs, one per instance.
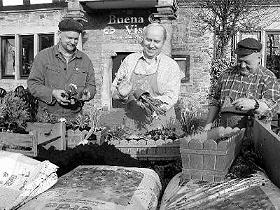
{"points": [[245, 89], [152, 72]]}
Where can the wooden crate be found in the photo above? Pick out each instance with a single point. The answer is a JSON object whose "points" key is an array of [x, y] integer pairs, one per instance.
{"points": [[55, 134], [49, 134], [20, 143], [206, 159], [149, 149], [267, 146]]}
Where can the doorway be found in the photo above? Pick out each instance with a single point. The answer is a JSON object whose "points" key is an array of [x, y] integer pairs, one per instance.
{"points": [[117, 60]]}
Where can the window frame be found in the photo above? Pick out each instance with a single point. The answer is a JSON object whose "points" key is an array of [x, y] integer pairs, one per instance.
{"points": [[39, 40], [3, 74], [186, 71], [18, 48], [265, 48], [21, 75]]}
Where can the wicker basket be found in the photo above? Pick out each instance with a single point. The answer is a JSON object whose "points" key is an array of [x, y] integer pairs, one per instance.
{"points": [[207, 158]]}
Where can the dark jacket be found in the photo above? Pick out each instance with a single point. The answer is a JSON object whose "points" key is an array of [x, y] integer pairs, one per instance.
{"points": [[51, 71]]}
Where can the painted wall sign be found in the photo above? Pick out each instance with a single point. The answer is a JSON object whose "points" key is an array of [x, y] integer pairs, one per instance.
{"points": [[109, 30], [132, 24], [113, 19]]}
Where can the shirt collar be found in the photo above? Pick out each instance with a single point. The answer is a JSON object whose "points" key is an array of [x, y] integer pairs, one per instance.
{"points": [[157, 58], [76, 54], [246, 73]]}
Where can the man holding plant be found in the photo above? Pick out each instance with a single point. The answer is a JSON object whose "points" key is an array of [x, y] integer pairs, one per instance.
{"points": [[247, 89], [149, 81], [62, 77]]}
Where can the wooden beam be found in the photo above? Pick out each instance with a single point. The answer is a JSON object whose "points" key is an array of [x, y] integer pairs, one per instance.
{"points": [[267, 145]]}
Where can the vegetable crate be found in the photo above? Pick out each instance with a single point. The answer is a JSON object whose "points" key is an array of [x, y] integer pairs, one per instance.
{"points": [[55, 134], [149, 149], [205, 157], [49, 134], [20, 143]]}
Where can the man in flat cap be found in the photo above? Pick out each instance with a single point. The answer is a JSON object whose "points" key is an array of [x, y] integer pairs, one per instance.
{"points": [[62, 77], [247, 89]]}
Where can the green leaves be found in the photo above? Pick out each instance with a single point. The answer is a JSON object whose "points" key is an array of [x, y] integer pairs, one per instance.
{"points": [[13, 111]]}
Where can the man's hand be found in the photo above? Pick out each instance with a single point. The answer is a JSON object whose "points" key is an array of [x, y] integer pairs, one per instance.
{"points": [[61, 96], [244, 104], [85, 95], [207, 127], [124, 88]]}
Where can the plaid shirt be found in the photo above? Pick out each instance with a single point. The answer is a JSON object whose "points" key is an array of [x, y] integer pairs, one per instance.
{"points": [[261, 85]]}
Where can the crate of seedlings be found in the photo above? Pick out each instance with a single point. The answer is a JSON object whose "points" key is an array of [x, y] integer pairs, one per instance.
{"points": [[209, 155], [159, 144]]}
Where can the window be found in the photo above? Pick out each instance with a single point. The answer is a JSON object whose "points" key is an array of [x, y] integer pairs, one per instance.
{"points": [[12, 3], [40, 1], [184, 64], [17, 53], [8, 56], [26, 54], [272, 52], [45, 41]]}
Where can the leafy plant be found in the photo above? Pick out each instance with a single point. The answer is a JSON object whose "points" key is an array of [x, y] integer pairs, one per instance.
{"points": [[47, 117], [14, 112], [191, 122], [82, 122]]}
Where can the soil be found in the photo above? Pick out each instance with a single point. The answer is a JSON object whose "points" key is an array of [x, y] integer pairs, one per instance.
{"points": [[105, 154]]}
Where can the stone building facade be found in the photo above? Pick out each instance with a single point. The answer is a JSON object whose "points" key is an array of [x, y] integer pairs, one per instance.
{"points": [[113, 30]]}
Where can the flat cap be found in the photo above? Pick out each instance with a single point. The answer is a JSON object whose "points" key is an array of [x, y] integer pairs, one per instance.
{"points": [[70, 24], [248, 46]]}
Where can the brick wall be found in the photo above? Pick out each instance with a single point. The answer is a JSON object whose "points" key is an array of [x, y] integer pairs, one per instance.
{"points": [[188, 38]]}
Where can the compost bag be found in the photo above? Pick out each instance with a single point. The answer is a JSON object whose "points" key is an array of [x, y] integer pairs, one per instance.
{"points": [[22, 178], [255, 192], [101, 188]]}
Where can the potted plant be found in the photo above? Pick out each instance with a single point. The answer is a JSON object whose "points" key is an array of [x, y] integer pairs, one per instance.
{"points": [[14, 115]]}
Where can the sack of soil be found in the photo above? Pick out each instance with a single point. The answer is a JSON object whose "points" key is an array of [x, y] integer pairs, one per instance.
{"points": [[100, 188], [255, 192], [22, 178]]}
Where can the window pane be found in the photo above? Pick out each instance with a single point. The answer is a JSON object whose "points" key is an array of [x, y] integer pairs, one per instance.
{"points": [[8, 56], [12, 2], [184, 64], [272, 52], [26, 54], [40, 1], [45, 41]]}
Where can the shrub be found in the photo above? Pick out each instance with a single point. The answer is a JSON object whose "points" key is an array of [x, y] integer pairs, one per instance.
{"points": [[14, 112]]}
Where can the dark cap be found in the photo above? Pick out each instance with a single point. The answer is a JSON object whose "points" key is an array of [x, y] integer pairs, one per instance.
{"points": [[69, 24], [248, 46]]}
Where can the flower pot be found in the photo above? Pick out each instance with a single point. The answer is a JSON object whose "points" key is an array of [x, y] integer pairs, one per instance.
{"points": [[209, 159]]}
